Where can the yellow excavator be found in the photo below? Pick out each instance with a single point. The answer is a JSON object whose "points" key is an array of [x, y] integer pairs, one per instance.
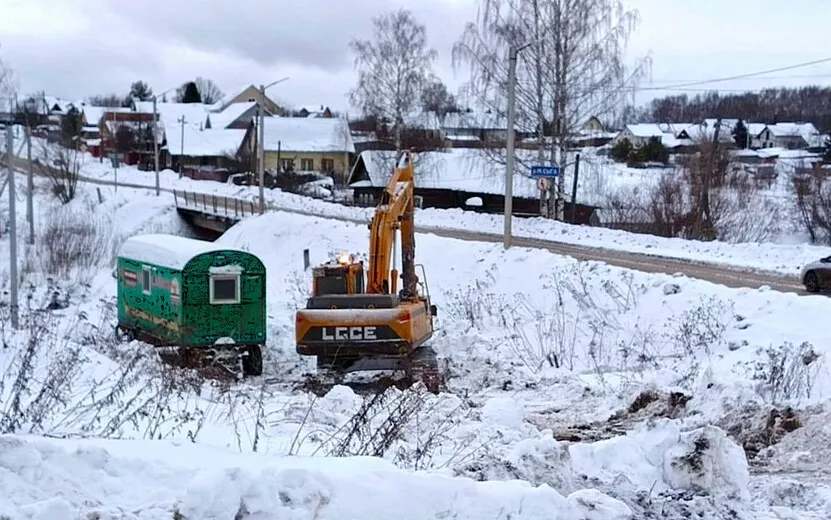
{"points": [[351, 324]]}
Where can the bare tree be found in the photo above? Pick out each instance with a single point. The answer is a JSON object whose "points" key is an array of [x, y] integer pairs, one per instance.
{"points": [[108, 100], [572, 68], [62, 166], [393, 69], [813, 202], [435, 98], [8, 85], [209, 90]]}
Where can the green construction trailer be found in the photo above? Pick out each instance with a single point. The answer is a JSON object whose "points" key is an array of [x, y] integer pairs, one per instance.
{"points": [[206, 301]]}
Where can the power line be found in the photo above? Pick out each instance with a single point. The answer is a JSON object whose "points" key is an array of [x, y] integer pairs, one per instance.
{"points": [[740, 76], [798, 76]]}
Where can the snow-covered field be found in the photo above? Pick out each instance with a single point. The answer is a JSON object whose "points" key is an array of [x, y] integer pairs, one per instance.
{"points": [[575, 391]]}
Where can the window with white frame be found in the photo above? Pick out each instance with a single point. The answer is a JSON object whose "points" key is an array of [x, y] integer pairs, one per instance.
{"points": [[225, 288], [146, 279], [307, 165]]}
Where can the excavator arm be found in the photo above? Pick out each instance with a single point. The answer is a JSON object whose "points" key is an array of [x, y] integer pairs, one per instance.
{"points": [[394, 212]]}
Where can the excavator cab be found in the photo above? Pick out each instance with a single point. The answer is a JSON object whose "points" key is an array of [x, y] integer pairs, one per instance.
{"points": [[342, 276]]}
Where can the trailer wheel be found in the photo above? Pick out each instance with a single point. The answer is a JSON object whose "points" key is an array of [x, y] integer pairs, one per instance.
{"points": [[252, 364]]}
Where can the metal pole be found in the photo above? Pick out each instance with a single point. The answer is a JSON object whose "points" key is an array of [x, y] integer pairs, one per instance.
{"points": [[30, 185], [509, 163], [182, 147], [156, 144], [574, 189], [12, 228], [261, 155]]}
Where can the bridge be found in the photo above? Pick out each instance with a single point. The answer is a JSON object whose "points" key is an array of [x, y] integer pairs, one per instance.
{"points": [[210, 215]]}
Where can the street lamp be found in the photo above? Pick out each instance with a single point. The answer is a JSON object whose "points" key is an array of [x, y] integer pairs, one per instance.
{"points": [[261, 143], [156, 138]]}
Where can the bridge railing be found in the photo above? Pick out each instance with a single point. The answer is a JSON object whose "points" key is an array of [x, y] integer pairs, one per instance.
{"points": [[215, 204]]}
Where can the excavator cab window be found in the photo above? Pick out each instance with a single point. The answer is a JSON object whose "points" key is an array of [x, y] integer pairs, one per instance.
{"points": [[332, 283]]}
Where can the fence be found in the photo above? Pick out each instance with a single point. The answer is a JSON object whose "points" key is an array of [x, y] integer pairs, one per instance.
{"points": [[216, 204]]}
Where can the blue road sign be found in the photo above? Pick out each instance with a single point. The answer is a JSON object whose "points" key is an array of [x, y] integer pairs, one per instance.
{"points": [[545, 171]]}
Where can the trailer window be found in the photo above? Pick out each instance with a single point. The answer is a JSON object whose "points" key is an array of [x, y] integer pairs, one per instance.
{"points": [[146, 279], [225, 289]]}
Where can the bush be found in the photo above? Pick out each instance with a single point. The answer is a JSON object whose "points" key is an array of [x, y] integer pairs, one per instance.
{"points": [[652, 151], [71, 240], [622, 150]]}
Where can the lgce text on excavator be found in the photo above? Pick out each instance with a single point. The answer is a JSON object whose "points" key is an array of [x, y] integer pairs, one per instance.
{"points": [[354, 326]]}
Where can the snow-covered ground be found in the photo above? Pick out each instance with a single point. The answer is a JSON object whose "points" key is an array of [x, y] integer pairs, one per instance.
{"points": [[786, 258], [610, 394]]}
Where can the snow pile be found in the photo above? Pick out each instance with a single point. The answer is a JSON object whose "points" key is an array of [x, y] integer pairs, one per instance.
{"points": [[46, 479], [662, 458]]}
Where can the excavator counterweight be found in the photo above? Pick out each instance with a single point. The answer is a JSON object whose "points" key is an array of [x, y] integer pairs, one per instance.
{"points": [[351, 324]]}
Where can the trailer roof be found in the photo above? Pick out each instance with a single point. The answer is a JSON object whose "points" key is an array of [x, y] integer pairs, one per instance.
{"points": [[167, 250]]}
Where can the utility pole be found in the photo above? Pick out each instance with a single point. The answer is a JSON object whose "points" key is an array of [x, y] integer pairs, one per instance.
{"points": [[182, 145], [30, 184], [261, 151], [12, 228], [574, 189], [261, 143], [156, 144], [509, 163]]}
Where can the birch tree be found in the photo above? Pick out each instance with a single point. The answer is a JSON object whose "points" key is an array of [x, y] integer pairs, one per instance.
{"points": [[8, 84], [393, 69], [571, 66]]}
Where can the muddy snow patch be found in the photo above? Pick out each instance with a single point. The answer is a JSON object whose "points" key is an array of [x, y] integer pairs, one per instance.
{"points": [[660, 458]]}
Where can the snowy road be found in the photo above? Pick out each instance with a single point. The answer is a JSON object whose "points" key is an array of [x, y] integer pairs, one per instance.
{"points": [[714, 273]]}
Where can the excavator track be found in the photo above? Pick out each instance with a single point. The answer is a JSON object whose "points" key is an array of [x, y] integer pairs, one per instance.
{"points": [[422, 367]]}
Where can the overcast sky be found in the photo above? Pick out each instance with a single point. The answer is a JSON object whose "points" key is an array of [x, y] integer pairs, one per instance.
{"points": [[76, 48]]}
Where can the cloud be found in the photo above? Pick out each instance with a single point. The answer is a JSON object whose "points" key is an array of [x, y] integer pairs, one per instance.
{"points": [[284, 33]]}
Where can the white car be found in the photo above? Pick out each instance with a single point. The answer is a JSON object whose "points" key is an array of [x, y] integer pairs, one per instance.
{"points": [[817, 275]]}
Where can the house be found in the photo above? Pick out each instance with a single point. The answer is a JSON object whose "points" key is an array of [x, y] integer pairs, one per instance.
{"points": [[129, 134], [469, 129], [640, 134], [592, 133], [313, 111], [91, 139], [592, 125], [235, 115], [454, 178], [248, 94], [308, 144], [793, 136], [211, 153]]}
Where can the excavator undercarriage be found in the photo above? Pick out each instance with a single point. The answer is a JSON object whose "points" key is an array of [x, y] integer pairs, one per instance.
{"points": [[353, 326]]}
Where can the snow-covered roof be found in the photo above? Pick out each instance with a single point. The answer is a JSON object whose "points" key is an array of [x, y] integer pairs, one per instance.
{"points": [[312, 109], [223, 118], [805, 130], [303, 134], [425, 120], [166, 250], [483, 120], [646, 130], [754, 129], [193, 112], [454, 169], [211, 142]]}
